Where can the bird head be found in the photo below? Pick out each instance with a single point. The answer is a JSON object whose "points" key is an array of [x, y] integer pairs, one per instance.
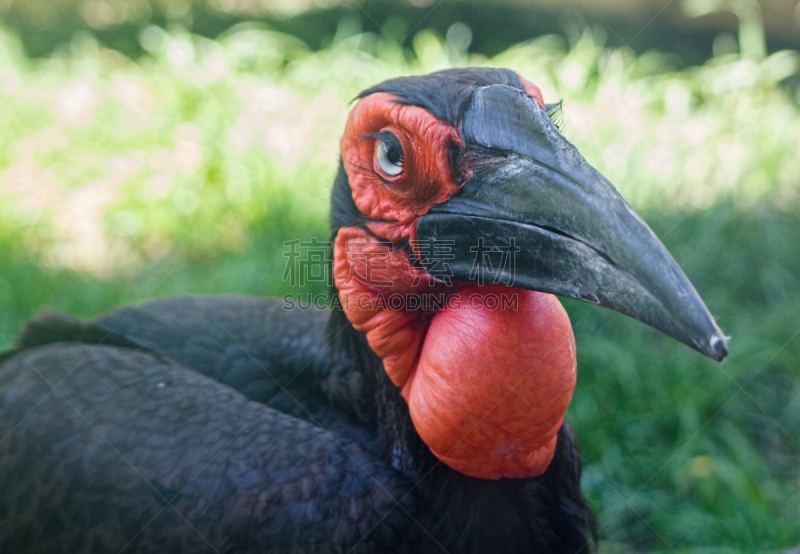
{"points": [[439, 170]]}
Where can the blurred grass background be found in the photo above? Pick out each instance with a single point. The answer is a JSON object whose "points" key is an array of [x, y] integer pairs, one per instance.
{"points": [[142, 156]]}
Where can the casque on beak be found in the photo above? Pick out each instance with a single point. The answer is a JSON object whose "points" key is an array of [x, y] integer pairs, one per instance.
{"points": [[576, 236]]}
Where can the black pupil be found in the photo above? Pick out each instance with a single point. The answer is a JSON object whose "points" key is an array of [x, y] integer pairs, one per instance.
{"points": [[394, 150]]}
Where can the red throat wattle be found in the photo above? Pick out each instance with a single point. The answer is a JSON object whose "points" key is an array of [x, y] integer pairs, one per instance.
{"points": [[487, 382], [491, 387]]}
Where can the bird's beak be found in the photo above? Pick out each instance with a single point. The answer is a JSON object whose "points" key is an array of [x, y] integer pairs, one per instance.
{"points": [[556, 225]]}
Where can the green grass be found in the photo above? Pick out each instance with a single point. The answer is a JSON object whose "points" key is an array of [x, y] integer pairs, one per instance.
{"points": [[124, 180], [674, 447]]}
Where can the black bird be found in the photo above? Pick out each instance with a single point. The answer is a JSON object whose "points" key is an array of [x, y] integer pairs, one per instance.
{"points": [[423, 412]]}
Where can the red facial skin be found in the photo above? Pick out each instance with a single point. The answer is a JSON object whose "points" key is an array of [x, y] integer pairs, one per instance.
{"points": [[426, 179], [487, 388], [533, 91]]}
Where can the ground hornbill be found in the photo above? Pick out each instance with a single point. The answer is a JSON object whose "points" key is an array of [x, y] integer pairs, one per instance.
{"points": [[231, 424]]}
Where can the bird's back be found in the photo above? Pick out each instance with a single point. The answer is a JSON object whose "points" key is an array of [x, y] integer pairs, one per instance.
{"points": [[187, 425]]}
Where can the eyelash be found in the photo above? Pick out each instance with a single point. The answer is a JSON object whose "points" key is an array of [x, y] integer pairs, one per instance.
{"points": [[370, 173], [390, 138], [556, 114]]}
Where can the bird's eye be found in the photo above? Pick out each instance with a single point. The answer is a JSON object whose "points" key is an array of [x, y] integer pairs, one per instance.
{"points": [[389, 154]]}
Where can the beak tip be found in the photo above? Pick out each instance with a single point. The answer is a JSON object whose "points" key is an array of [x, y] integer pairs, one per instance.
{"points": [[719, 347]]}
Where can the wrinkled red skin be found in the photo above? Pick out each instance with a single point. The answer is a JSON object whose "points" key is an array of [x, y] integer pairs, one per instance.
{"points": [[487, 388], [533, 91], [395, 335], [491, 387], [426, 179]]}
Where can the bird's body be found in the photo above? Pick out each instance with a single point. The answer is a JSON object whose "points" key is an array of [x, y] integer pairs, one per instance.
{"points": [[233, 424], [195, 424]]}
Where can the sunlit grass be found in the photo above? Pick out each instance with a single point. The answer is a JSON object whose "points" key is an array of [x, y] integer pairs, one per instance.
{"points": [[184, 172], [107, 162]]}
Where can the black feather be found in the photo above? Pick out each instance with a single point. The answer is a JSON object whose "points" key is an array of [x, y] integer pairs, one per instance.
{"points": [[344, 212], [445, 93]]}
